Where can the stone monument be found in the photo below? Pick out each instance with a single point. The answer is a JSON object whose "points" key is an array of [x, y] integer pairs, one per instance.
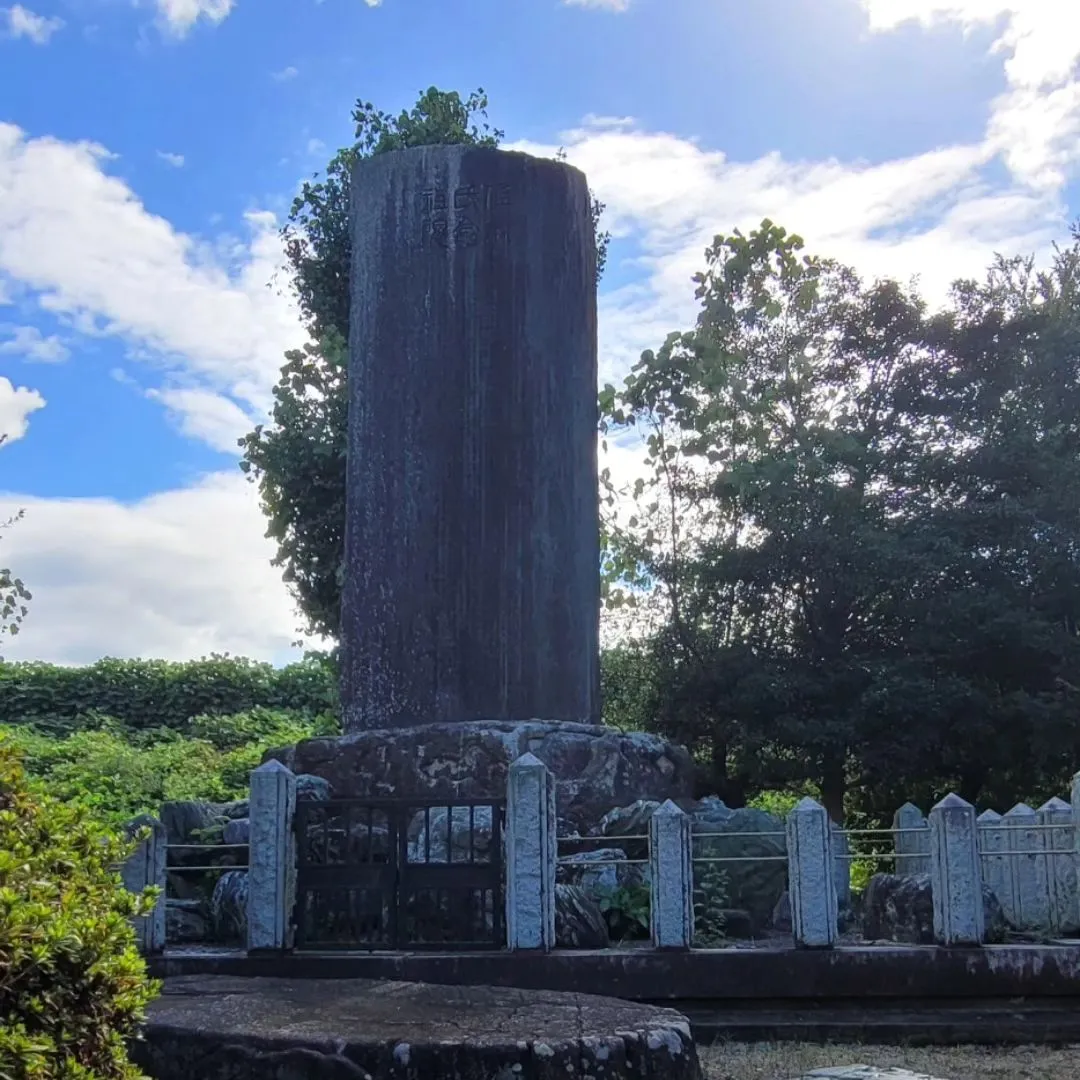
{"points": [[472, 589], [471, 599]]}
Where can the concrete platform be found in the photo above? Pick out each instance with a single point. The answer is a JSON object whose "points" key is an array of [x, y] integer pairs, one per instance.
{"points": [[218, 1027], [847, 973]]}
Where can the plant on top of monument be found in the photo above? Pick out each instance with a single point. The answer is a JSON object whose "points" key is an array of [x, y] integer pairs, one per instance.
{"points": [[298, 459], [13, 593], [73, 988]]}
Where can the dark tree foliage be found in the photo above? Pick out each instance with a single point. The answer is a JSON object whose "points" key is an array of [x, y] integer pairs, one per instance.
{"points": [[860, 528], [299, 458]]}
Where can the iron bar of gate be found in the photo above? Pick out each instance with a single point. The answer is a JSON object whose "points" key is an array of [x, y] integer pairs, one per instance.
{"points": [[204, 869], [420, 876], [601, 839], [741, 858], [203, 847], [570, 860]]}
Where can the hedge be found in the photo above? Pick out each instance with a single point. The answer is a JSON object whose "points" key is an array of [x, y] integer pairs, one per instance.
{"points": [[144, 694]]}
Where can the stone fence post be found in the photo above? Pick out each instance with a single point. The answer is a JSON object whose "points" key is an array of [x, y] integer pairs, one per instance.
{"points": [[956, 873], [1074, 796], [1061, 878], [531, 855], [1026, 901], [811, 875], [271, 858], [145, 867], [671, 879], [911, 841]]}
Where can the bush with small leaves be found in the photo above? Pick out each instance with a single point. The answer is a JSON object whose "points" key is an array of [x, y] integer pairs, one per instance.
{"points": [[710, 902], [73, 988]]}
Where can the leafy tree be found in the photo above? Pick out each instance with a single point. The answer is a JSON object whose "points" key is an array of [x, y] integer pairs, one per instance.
{"points": [[73, 988], [13, 593], [992, 633], [299, 459], [856, 529]]}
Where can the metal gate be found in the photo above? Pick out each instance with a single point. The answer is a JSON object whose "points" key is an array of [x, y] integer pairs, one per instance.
{"points": [[399, 873]]}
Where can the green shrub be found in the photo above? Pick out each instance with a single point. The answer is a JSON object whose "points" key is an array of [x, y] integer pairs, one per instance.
{"points": [[710, 903], [148, 694], [73, 988], [626, 911], [118, 773]]}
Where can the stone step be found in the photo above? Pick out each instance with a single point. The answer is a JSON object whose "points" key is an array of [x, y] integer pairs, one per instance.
{"points": [[933, 1023]]}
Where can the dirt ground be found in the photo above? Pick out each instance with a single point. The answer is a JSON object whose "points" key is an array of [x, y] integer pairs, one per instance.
{"points": [[788, 1061]]}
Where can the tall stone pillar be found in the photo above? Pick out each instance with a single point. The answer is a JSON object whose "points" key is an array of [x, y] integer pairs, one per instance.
{"points": [[471, 586]]}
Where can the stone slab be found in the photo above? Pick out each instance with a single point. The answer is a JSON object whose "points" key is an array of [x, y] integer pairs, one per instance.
{"points": [[863, 1072], [220, 1027], [595, 768]]}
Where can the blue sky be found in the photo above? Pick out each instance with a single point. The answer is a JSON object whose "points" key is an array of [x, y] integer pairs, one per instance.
{"points": [[149, 151]]}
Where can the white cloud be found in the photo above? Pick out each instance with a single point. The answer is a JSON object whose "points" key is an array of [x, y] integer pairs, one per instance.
{"points": [[179, 16], [175, 160], [285, 74], [373, 3], [16, 405], [932, 214], [80, 240], [604, 5], [1035, 123], [177, 575], [29, 341], [212, 418], [21, 22]]}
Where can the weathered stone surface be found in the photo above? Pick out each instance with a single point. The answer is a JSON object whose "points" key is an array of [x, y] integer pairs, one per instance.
{"points": [[228, 907], [471, 586], [185, 922], [754, 886], [579, 922], [184, 820], [902, 909], [598, 873], [631, 821], [863, 1072], [737, 923], [811, 875], [595, 768], [956, 873], [271, 857], [313, 788], [236, 831], [781, 916], [220, 1028]]}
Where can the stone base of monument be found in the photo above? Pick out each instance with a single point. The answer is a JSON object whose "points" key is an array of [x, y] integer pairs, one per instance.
{"points": [[360, 1029], [595, 768]]}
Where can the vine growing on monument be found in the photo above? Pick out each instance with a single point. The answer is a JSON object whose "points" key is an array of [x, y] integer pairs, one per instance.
{"points": [[298, 459], [13, 593], [857, 529]]}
